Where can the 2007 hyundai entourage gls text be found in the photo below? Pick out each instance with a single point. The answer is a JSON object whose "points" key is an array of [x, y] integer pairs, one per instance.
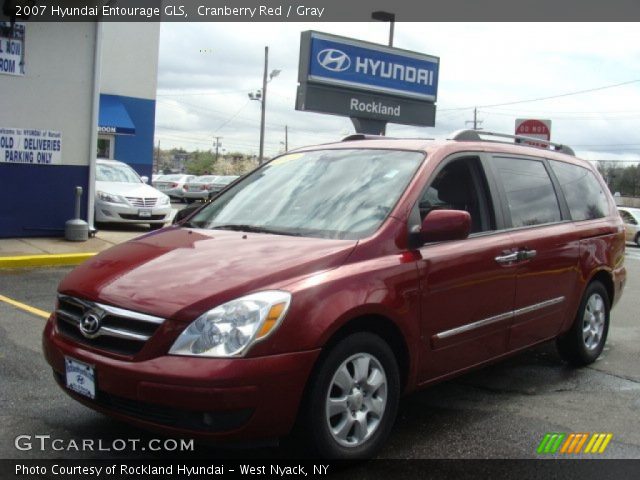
{"points": [[325, 284]]}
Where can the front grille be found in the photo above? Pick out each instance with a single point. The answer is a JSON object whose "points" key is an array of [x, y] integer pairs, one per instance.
{"points": [[119, 331], [220, 421], [142, 202], [130, 216]]}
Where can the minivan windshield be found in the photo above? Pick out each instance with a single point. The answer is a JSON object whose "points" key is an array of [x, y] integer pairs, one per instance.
{"points": [[342, 194]]}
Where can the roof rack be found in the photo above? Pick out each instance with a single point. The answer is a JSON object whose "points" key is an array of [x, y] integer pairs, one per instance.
{"points": [[475, 136], [365, 136]]}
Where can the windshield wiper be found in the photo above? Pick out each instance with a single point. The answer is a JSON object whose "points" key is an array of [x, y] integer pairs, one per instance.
{"points": [[254, 229]]}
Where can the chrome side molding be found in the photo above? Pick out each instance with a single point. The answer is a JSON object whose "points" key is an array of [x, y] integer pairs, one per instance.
{"points": [[499, 318]]}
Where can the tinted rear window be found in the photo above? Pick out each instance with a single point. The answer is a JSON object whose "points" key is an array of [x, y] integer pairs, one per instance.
{"points": [[530, 195], [584, 193]]}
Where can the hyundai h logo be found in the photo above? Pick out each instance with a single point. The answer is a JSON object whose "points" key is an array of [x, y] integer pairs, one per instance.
{"points": [[334, 60], [90, 324]]}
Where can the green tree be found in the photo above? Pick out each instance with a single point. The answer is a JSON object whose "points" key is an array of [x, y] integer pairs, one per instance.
{"points": [[200, 163]]}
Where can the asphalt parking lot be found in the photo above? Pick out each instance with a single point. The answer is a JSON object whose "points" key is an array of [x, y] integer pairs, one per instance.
{"points": [[501, 411]]}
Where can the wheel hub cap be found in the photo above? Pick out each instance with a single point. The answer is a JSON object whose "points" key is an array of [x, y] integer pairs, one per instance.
{"points": [[356, 400], [593, 321]]}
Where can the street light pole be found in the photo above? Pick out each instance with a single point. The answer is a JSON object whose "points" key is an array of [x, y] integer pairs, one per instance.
{"points": [[263, 104], [261, 95], [386, 17]]}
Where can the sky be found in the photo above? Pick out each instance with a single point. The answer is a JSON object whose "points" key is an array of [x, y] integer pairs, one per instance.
{"points": [[206, 71]]}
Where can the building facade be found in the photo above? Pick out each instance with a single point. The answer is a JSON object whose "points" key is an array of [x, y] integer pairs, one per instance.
{"points": [[58, 81], [128, 84]]}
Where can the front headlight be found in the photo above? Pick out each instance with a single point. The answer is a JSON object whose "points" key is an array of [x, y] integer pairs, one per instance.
{"points": [[106, 197], [229, 330], [163, 200]]}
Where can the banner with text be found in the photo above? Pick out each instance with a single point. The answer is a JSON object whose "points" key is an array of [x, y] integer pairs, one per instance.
{"points": [[12, 48], [23, 145]]}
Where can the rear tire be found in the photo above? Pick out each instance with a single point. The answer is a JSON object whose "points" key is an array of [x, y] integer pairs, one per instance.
{"points": [[353, 399], [584, 343]]}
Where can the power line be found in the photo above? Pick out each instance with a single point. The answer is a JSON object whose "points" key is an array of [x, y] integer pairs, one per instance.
{"points": [[577, 92]]}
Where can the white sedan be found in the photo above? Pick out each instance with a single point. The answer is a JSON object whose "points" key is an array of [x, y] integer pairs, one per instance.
{"points": [[173, 184], [123, 197], [199, 188], [631, 218]]}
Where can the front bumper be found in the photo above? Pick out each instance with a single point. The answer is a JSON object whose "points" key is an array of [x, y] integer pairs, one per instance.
{"points": [[121, 213], [226, 399]]}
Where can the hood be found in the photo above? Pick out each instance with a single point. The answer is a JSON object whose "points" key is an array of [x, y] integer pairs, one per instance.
{"points": [[180, 273], [128, 189]]}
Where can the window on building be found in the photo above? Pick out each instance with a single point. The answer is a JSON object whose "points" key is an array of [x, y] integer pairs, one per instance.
{"points": [[105, 147]]}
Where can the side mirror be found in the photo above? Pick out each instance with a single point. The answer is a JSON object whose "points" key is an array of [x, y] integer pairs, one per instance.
{"points": [[443, 225], [144, 179]]}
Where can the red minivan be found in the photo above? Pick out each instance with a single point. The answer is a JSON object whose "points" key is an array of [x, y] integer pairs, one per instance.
{"points": [[328, 282]]}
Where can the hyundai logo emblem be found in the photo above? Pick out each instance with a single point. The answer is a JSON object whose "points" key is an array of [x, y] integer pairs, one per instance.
{"points": [[334, 60], [90, 324]]}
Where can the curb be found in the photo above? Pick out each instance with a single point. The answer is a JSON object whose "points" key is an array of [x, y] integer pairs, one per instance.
{"points": [[45, 260]]}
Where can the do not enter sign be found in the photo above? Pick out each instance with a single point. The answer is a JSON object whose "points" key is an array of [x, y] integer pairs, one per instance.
{"points": [[534, 128]]}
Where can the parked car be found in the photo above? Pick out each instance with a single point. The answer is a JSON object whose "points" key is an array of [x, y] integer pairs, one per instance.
{"points": [[221, 183], [173, 185], [155, 177], [330, 281], [631, 219], [199, 188], [123, 197]]}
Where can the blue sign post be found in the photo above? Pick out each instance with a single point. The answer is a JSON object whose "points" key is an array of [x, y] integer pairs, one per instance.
{"points": [[366, 81]]}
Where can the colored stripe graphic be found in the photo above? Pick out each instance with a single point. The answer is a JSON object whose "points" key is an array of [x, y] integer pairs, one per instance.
{"points": [[550, 443], [598, 443], [572, 443]]}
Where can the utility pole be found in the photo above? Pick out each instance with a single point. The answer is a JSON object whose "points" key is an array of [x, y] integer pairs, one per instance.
{"points": [[475, 120], [286, 138], [263, 104], [217, 144]]}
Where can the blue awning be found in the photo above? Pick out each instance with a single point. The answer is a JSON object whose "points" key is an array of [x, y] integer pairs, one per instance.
{"points": [[113, 117]]}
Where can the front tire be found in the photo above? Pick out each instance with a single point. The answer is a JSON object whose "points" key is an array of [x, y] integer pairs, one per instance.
{"points": [[584, 343], [354, 398]]}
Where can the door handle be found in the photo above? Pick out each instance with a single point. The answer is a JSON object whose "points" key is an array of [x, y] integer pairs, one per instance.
{"points": [[527, 254], [508, 258]]}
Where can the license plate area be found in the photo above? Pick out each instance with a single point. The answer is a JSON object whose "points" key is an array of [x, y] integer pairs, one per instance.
{"points": [[144, 212], [80, 377]]}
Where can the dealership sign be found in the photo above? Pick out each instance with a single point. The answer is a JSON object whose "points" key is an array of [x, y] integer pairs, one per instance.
{"points": [[370, 67], [12, 48], [30, 146], [359, 79]]}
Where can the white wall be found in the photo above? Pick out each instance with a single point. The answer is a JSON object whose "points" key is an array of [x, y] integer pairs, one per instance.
{"points": [[56, 91], [130, 59]]}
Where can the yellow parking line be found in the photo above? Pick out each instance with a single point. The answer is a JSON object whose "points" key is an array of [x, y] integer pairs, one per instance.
{"points": [[25, 307]]}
